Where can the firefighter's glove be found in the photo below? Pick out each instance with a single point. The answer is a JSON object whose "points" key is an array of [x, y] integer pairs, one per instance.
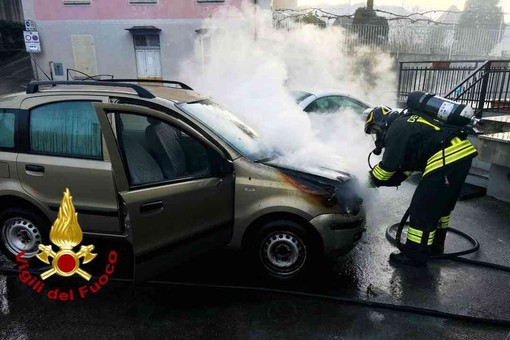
{"points": [[398, 177]]}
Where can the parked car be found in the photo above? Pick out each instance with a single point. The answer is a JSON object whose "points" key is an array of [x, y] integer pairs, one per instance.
{"points": [[328, 102], [168, 172]]}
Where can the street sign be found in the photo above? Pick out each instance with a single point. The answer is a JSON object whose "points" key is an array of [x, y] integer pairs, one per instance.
{"points": [[30, 25], [32, 42]]}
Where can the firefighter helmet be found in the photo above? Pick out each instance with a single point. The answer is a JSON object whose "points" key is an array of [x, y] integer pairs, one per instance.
{"points": [[377, 119]]}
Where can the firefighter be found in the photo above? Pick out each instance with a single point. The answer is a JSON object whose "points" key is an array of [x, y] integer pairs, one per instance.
{"points": [[413, 141]]}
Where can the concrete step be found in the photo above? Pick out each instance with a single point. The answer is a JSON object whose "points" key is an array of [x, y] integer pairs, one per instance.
{"points": [[496, 123], [478, 177]]}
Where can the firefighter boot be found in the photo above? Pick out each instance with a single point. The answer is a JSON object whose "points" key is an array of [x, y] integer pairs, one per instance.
{"points": [[400, 258], [437, 247]]}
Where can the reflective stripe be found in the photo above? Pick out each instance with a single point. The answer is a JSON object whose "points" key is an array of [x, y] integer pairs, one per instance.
{"points": [[416, 232], [382, 174], [449, 150], [413, 238], [415, 235], [443, 222], [431, 238], [370, 117], [452, 154], [423, 121], [456, 140]]}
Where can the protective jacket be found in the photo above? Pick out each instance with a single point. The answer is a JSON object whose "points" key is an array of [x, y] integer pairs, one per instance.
{"points": [[415, 142]]}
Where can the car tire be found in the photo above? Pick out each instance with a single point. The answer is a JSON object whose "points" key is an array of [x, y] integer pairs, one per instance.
{"points": [[284, 250], [22, 229]]}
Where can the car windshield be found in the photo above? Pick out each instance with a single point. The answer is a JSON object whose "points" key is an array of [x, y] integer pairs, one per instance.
{"points": [[228, 127], [299, 96]]}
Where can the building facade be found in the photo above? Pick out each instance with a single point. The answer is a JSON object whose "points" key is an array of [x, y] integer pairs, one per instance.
{"points": [[284, 4], [124, 38]]}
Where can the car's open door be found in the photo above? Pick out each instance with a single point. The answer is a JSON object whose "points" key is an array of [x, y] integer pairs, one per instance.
{"points": [[176, 187]]}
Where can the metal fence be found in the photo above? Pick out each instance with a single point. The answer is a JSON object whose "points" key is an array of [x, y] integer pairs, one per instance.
{"points": [[437, 77], [419, 38], [484, 85]]}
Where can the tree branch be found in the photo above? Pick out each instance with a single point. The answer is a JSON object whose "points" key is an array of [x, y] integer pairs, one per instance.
{"points": [[408, 17]]}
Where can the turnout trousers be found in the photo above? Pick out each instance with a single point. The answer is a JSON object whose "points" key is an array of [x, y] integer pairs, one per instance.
{"points": [[431, 205]]}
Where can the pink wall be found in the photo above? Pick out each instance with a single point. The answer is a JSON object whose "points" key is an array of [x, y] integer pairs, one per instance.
{"points": [[121, 9]]}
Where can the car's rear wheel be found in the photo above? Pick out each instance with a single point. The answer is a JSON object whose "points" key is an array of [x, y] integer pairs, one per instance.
{"points": [[21, 230], [284, 250]]}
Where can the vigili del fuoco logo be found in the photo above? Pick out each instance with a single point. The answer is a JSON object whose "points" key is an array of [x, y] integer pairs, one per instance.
{"points": [[65, 234]]}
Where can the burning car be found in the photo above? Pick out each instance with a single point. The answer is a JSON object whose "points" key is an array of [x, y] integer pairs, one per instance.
{"points": [[167, 173]]}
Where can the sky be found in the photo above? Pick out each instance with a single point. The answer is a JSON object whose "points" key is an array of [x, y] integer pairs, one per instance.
{"points": [[408, 4]]}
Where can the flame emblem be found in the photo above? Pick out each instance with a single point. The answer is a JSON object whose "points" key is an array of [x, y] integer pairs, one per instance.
{"points": [[66, 234]]}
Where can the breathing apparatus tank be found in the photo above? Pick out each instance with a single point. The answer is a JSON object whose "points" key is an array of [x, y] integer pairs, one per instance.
{"points": [[445, 110]]}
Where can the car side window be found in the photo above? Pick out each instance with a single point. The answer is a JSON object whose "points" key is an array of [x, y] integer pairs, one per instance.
{"points": [[156, 151], [349, 103], [323, 105], [7, 124], [69, 129], [335, 103]]}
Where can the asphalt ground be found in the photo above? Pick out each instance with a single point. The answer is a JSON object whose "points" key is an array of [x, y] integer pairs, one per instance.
{"points": [[121, 310]]}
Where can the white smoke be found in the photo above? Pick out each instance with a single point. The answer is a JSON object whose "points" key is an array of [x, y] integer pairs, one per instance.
{"points": [[250, 67]]}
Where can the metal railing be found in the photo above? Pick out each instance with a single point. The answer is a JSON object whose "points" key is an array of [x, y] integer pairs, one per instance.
{"points": [[419, 38], [486, 89], [483, 85]]}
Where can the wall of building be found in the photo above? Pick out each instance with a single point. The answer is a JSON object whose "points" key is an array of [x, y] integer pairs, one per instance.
{"points": [[106, 21], [114, 48], [122, 9], [284, 4]]}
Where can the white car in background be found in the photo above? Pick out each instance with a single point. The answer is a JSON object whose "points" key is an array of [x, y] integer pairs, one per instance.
{"points": [[328, 102]]}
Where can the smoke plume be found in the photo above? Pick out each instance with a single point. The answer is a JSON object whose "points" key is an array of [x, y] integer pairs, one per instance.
{"points": [[250, 67]]}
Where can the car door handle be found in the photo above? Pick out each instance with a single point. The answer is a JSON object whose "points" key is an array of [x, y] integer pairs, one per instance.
{"points": [[151, 206], [34, 168]]}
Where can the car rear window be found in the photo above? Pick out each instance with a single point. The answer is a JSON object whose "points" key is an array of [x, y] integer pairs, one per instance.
{"points": [[7, 120], [66, 129]]}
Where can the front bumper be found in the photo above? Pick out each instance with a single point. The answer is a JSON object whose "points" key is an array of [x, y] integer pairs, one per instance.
{"points": [[339, 233]]}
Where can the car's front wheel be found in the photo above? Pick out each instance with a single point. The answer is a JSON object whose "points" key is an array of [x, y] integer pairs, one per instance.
{"points": [[21, 230], [284, 249]]}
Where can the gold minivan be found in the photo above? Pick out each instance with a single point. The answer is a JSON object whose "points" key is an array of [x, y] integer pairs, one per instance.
{"points": [[168, 174]]}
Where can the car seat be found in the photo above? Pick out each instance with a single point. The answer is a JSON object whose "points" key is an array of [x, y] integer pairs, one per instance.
{"points": [[142, 167], [164, 143]]}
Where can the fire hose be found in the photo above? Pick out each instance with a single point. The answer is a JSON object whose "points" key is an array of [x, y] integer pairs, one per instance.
{"points": [[354, 301], [346, 300], [394, 237]]}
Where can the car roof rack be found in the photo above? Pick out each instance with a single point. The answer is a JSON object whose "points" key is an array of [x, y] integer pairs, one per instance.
{"points": [[33, 86], [159, 81]]}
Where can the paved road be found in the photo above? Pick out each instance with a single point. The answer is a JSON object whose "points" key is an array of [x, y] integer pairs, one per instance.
{"points": [[162, 311]]}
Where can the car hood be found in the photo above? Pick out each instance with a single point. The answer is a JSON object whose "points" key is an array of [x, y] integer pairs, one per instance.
{"points": [[318, 171], [330, 186]]}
